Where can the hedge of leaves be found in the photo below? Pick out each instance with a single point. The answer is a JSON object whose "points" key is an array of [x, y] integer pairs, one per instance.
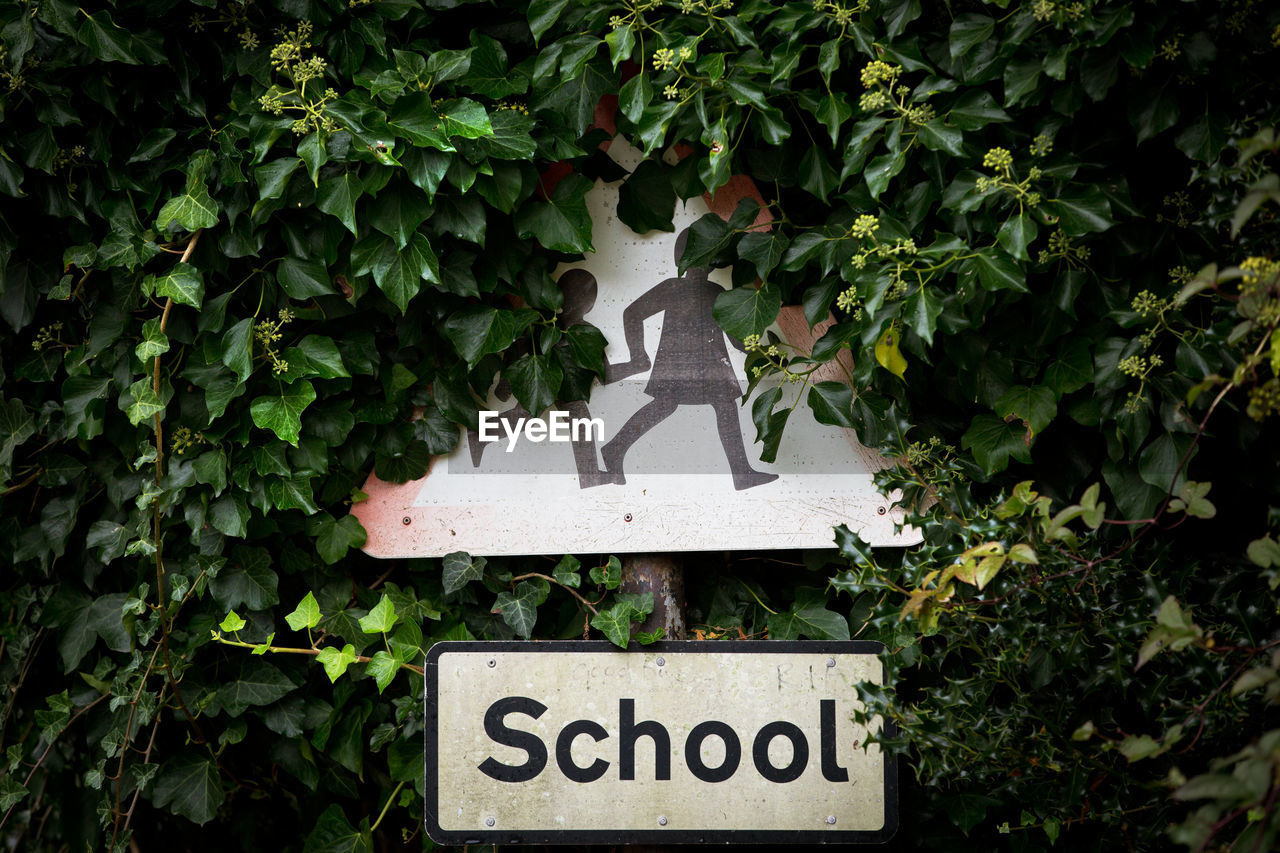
{"points": [[252, 251]]}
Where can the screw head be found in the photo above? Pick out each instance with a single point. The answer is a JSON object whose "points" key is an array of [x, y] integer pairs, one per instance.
{"points": [[406, 521], [662, 820], [831, 819], [490, 821], [661, 661], [627, 517], [831, 662], [492, 662], [882, 510]]}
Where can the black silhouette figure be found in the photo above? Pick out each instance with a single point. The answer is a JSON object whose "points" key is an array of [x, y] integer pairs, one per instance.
{"points": [[691, 368], [579, 289]]}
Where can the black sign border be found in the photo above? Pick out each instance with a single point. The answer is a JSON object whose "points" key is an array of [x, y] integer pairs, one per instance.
{"points": [[675, 835]]}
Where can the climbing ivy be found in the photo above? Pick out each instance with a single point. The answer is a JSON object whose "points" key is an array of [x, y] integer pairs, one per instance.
{"points": [[251, 252]]}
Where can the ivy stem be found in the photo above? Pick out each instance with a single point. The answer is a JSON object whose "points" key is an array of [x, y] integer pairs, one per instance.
{"points": [[571, 590], [391, 799], [290, 650]]}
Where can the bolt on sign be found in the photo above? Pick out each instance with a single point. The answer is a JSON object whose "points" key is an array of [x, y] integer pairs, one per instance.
{"points": [[578, 743], [662, 457]]}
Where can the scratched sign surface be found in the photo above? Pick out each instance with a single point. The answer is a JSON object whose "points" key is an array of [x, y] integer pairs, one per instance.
{"points": [[674, 464], [575, 742]]}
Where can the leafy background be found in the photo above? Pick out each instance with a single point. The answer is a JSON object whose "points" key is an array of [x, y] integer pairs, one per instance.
{"points": [[242, 245]]}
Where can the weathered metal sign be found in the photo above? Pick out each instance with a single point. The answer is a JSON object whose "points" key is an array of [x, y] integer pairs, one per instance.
{"points": [[579, 743], [663, 455]]}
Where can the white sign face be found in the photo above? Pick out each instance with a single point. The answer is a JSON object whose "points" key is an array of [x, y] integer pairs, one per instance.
{"points": [[580, 743], [663, 455]]}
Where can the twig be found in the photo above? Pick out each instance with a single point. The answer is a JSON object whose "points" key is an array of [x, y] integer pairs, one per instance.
{"points": [[569, 589]]}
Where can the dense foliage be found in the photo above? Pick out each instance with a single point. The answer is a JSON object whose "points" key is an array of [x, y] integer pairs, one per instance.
{"points": [[251, 251]]}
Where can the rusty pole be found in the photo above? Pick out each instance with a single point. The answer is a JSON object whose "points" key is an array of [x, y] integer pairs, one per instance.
{"points": [[662, 575]]}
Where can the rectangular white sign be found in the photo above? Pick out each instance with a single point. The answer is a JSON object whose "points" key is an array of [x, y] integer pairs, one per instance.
{"points": [[581, 743]]}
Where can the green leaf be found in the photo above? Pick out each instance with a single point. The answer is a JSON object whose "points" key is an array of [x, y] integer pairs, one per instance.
{"points": [[1079, 215], [746, 311], [237, 348], [921, 312], [337, 536], [562, 223], [479, 330], [1153, 114], [567, 573], [997, 271], [1162, 458], [333, 833], [610, 574], [976, 109], [615, 623], [992, 441], [646, 200], [282, 412], [461, 569], [535, 380], [106, 41], [145, 403], [258, 683], [324, 357], [305, 615], [402, 276], [1017, 233], [519, 609], [967, 32], [397, 212], [543, 15], [881, 170], [246, 579], [154, 342], [415, 119], [304, 278], [811, 620], [832, 403], [335, 661], [193, 210], [937, 136], [381, 618], [466, 118], [190, 786], [182, 283], [337, 196], [233, 622], [1034, 406], [273, 178], [383, 668]]}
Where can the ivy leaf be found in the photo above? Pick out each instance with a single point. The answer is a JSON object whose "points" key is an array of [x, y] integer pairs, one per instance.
{"points": [[479, 330], [811, 620], [993, 440], [461, 569], [832, 403], [304, 278], [889, 355], [258, 683], [610, 574], [193, 210], [566, 572], [562, 223], [413, 118], [154, 342], [335, 661], [237, 352], [746, 311], [273, 178], [543, 15], [997, 271], [383, 668], [105, 40], [337, 536], [233, 622], [333, 833], [535, 380], [282, 412], [646, 200], [402, 277], [182, 283], [337, 196], [1016, 234], [381, 619], [615, 623], [191, 786], [967, 32], [305, 615], [143, 403], [247, 579], [1035, 406], [937, 136], [519, 609], [466, 118], [975, 109], [921, 311]]}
